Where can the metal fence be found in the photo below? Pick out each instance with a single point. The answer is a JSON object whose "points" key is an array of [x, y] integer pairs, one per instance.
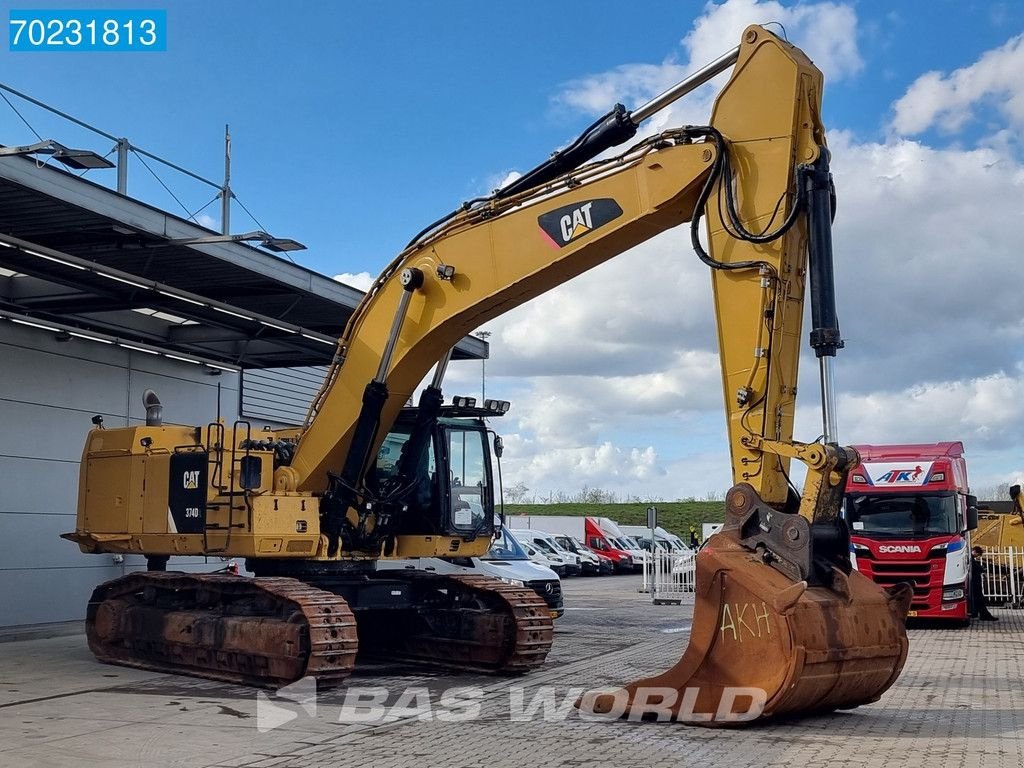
{"points": [[1002, 580], [669, 577]]}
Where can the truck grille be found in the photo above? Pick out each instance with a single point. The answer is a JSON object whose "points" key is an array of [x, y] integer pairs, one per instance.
{"points": [[918, 574], [550, 591]]}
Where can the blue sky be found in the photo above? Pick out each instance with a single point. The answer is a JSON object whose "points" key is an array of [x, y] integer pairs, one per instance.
{"points": [[355, 125], [379, 118]]}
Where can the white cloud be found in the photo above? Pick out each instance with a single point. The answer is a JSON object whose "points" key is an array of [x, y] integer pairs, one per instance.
{"points": [[827, 32], [362, 280], [614, 376], [205, 220], [983, 412], [950, 101]]}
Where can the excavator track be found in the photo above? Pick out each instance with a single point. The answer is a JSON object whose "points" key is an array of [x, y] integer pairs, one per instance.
{"points": [[265, 632], [461, 622], [272, 630]]}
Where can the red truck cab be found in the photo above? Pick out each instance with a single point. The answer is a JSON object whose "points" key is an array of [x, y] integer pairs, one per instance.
{"points": [[910, 512]]}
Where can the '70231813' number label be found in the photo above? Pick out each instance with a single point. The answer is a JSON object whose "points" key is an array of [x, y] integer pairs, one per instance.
{"points": [[82, 30]]}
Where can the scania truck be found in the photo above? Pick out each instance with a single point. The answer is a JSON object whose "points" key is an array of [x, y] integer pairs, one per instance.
{"points": [[910, 512]]}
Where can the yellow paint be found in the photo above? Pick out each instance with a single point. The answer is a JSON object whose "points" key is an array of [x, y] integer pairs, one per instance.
{"points": [[769, 112]]}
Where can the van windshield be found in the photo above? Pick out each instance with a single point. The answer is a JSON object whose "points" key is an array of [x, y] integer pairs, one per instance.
{"points": [[505, 547], [890, 514], [567, 544], [543, 546]]}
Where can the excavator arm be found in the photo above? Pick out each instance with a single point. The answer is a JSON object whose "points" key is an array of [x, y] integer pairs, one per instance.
{"points": [[779, 610], [759, 170]]}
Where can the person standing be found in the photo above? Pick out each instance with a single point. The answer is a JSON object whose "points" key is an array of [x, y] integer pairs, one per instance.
{"points": [[976, 599]]}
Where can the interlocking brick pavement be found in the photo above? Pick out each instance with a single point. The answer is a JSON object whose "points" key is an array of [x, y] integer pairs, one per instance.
{"points": [[958, 703]]}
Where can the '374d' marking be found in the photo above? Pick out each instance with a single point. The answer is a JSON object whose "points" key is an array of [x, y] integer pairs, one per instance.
{"points": [[571, 222]]}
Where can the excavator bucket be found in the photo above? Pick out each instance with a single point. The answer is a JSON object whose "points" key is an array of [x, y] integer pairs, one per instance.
{"points": [[764, 645]]}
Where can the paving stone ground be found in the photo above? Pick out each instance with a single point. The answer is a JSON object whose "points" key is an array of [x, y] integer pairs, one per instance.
{"points": [[959, 703]]}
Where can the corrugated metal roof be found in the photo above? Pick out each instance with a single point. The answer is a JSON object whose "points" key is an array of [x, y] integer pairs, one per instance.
{"points": [[60, 211]]}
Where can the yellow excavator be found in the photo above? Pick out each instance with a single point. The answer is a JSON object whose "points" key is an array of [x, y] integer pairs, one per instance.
{"points": [[1002, 529], [778, 608]]}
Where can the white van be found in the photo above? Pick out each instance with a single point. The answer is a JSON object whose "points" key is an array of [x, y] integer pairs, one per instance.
{"points": [[640, 556], [505, 560], [590, 563], [562, 563], [549, 545], [666, 542]]}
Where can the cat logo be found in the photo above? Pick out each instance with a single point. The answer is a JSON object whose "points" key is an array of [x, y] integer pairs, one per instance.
{"points": [[191, 479], [571, 222]]}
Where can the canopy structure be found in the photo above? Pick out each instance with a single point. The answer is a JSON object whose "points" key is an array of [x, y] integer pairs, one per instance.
{"points": [[81, 259]]}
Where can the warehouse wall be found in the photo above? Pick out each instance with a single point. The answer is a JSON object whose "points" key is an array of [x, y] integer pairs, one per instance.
{"points": [[49, 391], [280, 395]]}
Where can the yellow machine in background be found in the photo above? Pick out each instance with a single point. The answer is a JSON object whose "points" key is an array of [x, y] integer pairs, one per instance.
{"points": [[778, 606], [997, 529]]}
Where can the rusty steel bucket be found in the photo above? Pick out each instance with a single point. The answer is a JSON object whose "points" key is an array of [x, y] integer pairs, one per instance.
{"points": [[764, 645]]}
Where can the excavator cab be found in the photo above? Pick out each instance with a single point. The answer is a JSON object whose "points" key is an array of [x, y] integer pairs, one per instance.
{"points": [[447, 488]]}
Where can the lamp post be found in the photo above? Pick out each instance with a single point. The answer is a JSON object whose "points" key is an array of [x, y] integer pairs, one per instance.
{"points": [[483, 336]]}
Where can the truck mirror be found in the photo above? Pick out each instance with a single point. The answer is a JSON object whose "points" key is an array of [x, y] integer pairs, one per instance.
{"points": [[972, 512], [499, 446]]}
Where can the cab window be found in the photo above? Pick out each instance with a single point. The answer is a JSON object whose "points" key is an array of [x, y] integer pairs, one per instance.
{"points": [[469, 477]]}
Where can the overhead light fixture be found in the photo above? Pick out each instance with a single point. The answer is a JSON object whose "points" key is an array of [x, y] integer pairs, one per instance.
{"points": [[126, 281], [77, 159], [330, 342], [88, 337], [221, 367], [182, 359], [30, 324], [179, 297], [268, 241], [277, 327], [133, 348], [62, 262], [66, 333], [239, 315]]}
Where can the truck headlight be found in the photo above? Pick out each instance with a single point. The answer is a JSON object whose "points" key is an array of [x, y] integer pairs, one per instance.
{"points": [[513, 582], [953, 594]]}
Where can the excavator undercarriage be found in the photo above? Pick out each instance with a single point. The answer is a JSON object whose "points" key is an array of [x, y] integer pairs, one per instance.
{"points": [[272, 631]]}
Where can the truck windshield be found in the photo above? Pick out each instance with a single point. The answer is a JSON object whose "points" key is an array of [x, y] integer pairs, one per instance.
{"points": [[505, 547], [902, 515]]}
